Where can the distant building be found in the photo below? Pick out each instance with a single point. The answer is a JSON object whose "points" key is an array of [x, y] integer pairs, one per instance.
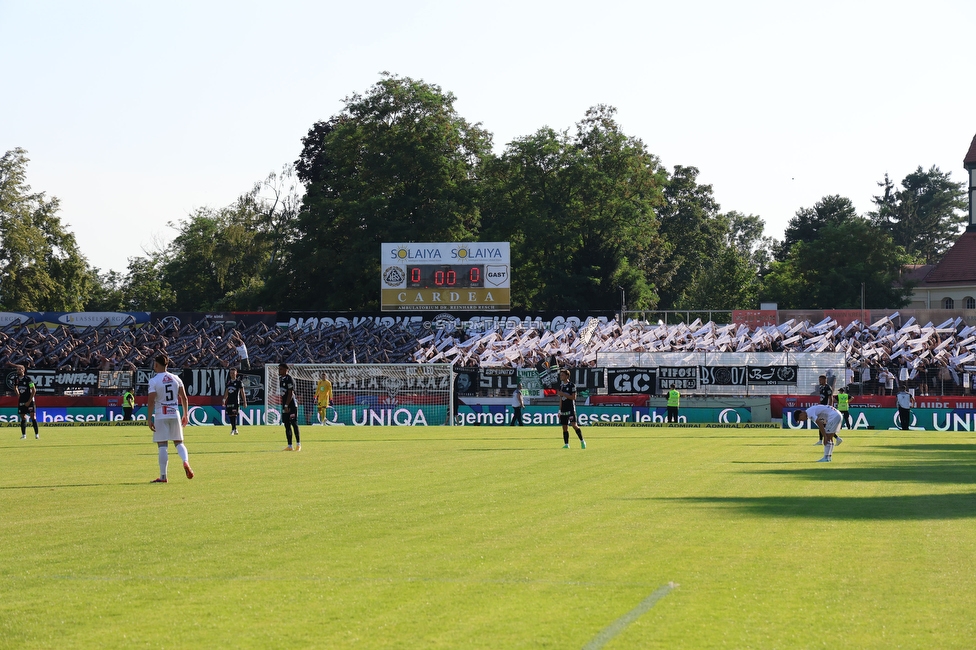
{"points": [[951, 284]]}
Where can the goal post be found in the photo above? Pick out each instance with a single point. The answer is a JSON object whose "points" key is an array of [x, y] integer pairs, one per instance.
{"points": [[388, 394]]}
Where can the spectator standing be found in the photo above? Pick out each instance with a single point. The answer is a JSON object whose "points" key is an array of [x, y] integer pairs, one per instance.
{"points": [[844, 405], [906, 402], [882, 380], [518, 403], [128, 403], [242, 352], [674, 401]]}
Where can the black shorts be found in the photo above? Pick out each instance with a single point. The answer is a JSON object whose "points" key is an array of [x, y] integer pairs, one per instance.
{"points": [[567, 417], [232, 410], [26, 409], [289, 414]]}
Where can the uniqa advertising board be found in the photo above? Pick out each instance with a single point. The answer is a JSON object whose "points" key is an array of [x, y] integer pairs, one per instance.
{"points": [[882, 418]]}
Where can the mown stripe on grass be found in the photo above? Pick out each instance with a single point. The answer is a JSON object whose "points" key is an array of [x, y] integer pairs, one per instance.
{"points": [[621, 623], [343, 580]]}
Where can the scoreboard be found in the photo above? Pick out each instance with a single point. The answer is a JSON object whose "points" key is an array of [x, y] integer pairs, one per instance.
{"points": [[445, 276]]}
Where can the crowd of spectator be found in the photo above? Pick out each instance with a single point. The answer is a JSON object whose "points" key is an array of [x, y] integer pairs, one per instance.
{"points": [[938, 359], [202, 344]]}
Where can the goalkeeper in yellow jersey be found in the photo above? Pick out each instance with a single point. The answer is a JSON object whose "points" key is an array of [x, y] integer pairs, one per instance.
{"points": [[323, 395]]}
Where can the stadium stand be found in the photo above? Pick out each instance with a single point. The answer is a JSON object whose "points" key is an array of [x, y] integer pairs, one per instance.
{"points": [[936, 356]]}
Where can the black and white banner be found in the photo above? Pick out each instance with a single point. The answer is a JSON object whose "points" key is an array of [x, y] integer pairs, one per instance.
{"points": [[466, 382], [587, 378], [43, 380], [773, 375], [51, 382], [548, 369], [212, 382], [722, 375], [680, 377], [630, 381], [498, 378]]}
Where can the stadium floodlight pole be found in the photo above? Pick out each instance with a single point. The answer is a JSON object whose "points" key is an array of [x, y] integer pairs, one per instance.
{"points": [[623, 303]]}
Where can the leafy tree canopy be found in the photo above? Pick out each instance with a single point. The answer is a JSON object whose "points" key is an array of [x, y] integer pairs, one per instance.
{"points": [[398, 164], [41, 267], [807, 223], [924, 215], [579, 210], [827, 273]]}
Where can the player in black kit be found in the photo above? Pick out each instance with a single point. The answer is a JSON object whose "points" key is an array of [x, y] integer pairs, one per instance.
{"points": [[234, 400], [826, 398], [25, 404], [289, 406], [567, 408]]}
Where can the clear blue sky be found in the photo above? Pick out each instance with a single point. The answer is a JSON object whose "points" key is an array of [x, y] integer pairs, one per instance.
{"points": [[135, 113]]}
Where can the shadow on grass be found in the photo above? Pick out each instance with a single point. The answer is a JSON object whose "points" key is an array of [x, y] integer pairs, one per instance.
{"points": [[969, 449], [934, 472], [507, 449], [884, 508], [70, 485]]}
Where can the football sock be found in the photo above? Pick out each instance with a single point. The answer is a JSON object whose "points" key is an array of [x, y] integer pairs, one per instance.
{"points": [[23, 426], [184, 454], [579, 433], [298, 439], [36, 432], [288, 432], [566, 437], [163, 460], [828, 450]]}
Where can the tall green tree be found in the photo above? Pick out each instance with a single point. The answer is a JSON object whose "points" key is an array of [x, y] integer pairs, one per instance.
{"points": [[145, 288], [693, 232], [579, 211], [827, 273], [732, 279], [41, 267], [221, 258], [398, 164], [807, 223], [924, 215], [108, 293]]}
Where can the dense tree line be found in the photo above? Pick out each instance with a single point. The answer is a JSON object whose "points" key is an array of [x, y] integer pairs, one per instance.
{"points": [[589, 211]]}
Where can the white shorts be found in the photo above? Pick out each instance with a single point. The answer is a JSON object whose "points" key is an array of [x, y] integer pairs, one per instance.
{"points": [[168, 429], [828, 428]]}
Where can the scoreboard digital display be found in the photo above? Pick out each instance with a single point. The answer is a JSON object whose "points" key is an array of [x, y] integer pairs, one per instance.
{"points": [[440, 276]]}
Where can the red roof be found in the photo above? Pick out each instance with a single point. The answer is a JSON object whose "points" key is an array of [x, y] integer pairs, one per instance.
{"points": [[958, 266], [914, 273], [970, 159]]}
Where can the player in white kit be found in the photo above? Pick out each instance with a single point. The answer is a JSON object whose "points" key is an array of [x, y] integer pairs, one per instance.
{"points": [[828, 420], [166, 396]]}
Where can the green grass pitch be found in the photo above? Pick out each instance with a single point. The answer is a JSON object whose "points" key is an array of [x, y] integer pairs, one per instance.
{"points": [[488, 537]]}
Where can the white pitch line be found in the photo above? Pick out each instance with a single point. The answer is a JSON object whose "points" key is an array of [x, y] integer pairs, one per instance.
{"points": [[621, 623]]}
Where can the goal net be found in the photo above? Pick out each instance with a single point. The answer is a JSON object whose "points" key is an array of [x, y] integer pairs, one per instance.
{"points": [[366, 394]]}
